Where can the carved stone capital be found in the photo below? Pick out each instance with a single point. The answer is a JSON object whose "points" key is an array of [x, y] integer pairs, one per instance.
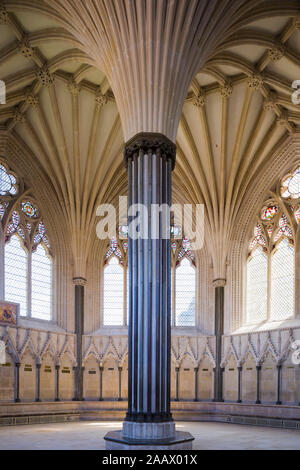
{"points": [[101, 99], [226, 90], [18, 116], [148, 142], [270, 102], [3, 15], [45, 77], [199, 100], [276, 53], [32, 100], [24, 49], [74, 88], [79, 281], [219, 282], [255, 81]]}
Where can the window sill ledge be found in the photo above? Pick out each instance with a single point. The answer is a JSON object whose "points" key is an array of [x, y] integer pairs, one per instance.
{"points": [[268, 326], [39, 324]]}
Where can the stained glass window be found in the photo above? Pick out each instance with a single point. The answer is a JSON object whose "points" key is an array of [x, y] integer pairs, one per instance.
{"points": [[3, 207], [271, 263], [185, 294], [269, 212], [8, 182], [282, 281], [290, 188], [27, 253], [114, 250], [113, 293], [41, 284], [29, 209], [257, 286], [16, 269]]}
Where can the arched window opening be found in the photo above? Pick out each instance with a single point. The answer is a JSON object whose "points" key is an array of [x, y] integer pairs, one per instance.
{"points": [[26, 250], [41, 272], [183, 284], [271, 266], [16, 273], [185, 281], [283, 281], [257, 286], [113, 293]]}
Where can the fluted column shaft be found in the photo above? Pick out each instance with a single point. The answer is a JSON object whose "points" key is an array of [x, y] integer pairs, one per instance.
{"points": [[150, 159]]}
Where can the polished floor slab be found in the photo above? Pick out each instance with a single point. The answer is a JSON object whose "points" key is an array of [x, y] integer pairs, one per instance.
{"points": [[89, 436]]}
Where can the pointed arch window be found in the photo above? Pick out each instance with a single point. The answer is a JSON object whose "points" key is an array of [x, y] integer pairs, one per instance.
{"points": [[26, 276], [16, 273], [183, 284], [114, 284], [115, 296], [271, 265]]}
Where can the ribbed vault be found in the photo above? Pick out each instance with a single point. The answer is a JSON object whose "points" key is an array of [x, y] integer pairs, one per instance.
{"points": [[77, 84]]}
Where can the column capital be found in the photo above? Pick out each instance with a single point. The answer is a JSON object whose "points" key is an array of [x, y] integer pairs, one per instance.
{"points": [[79, 281], [150, 142], [219, 282]]}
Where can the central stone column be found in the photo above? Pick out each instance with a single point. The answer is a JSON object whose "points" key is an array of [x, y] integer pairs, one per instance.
{"points": [[150, 159]]}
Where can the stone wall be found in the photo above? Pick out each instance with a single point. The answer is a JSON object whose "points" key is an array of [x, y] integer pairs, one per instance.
{"points": [[265, 357]]}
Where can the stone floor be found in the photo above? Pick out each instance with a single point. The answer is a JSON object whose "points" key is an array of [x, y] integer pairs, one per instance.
{"points": [[89, 435]]}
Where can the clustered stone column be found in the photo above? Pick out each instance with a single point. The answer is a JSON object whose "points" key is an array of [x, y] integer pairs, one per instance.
{"points": [[219, 285], [79, 283], [17, 382], [101, 368], [38, 382], [150, 159], [57, 368]]}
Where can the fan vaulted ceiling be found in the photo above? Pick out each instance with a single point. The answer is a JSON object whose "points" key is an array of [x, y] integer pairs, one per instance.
{"points": [[238, 110]]}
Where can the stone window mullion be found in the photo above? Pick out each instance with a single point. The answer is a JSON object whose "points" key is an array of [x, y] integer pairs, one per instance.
{"points": [[29, 284]]}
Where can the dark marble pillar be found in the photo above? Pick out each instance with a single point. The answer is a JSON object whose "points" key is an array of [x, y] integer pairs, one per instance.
{"points": [[196, 370], [101, 383], [219, 331], [57, 368], [240, 371], [38, 382], [17, 382], [79, 283], [177, 369], [120, 383], [150, 159], [258, 378], [279, 370]]}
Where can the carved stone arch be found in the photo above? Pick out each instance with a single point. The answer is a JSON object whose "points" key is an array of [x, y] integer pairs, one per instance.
{"points": [[279, 162], [11, 348], [37, 184], [91, 381], [94, 355], [110, 376], [186, 376], [206, 377]]}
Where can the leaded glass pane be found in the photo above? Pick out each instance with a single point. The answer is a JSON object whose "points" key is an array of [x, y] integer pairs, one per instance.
{"points": [[257, 287], [8, 183], [185, 294], [16, 273], [283, 281], [41, 284], [113, 293]]}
